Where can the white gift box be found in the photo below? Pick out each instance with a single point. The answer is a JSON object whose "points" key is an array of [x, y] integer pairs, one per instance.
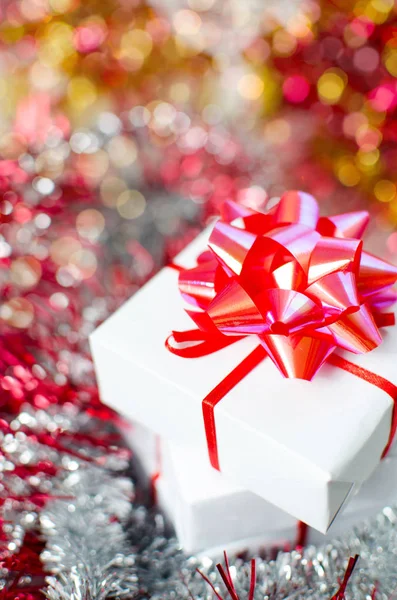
{"points": [[303, 446], [211, 514]]}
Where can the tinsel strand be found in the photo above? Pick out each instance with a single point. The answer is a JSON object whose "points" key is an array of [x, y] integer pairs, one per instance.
{"points": [[87, 548]]}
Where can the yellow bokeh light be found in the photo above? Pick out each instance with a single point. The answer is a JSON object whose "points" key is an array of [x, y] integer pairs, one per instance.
{"points": [[188, 48], [136, 43], [250, 86], [331, 86], [17, 312], [384, 190], [299, 26], [11, 35], [57, 44], [81, 92], [383, 6], [62, 6], [284, 43], [131, 204], [347, 172], [110, 189], [392, 206], [368, 138], [376, 11], [179, 92], [277, 131], [3, 88], [89, 224], [368, 162], [25, 271], [375, 117], [187, 22], [122, 151], [83, 264], [390, 61], [62, 249]]}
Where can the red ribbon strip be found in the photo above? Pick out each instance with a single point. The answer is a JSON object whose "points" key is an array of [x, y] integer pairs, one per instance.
{"points": [[203, 347], [228, 580], [340, 594], [175, 267], [156, 475], [302, 531], [219, 392], [385, 319], [384, 384], [253, 360]]}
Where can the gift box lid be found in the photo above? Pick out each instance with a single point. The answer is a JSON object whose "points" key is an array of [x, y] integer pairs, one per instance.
{"points": [[303, 446]]}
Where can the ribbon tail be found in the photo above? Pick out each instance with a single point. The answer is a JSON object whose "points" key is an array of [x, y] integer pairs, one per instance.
{"points": [[211, 400], [380, 382]]}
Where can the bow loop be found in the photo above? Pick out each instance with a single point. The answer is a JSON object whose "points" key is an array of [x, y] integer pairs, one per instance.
{"points": [[270, 263], [332, 255], [337, 293], [288, 311], [234, 312], [200, 285], [346, 225], [297, 207], [289, 354], [231, 245], [356, 331], [375, 274], [297, 239]]}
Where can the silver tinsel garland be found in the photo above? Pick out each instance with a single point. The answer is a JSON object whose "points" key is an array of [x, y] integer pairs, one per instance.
{"points": [[100, 545], [87, 548]]}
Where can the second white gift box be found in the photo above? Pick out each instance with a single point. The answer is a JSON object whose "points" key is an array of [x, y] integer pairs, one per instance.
{"points": [[303, 446], [211, 514]]}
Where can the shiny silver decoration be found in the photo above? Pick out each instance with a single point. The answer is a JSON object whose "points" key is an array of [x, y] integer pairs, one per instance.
{"points": [[158, 569], [314, 574], [87, 549]]}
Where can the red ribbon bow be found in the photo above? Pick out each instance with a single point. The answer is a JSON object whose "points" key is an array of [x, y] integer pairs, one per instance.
{"points": [[302, 284]]}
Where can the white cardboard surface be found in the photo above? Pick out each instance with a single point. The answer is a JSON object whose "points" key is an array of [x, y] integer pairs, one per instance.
{"points": [[303, 446], [211, 514]]}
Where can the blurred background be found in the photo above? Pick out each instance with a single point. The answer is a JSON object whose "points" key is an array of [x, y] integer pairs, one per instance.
{"points": [[201, 99]]}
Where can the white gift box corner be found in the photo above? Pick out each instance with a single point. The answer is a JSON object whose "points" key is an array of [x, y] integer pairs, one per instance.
{"points": [[303, 446]]}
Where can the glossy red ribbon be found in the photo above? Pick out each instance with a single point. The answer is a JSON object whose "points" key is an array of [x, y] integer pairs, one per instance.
{"points": [[301, 284]]}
